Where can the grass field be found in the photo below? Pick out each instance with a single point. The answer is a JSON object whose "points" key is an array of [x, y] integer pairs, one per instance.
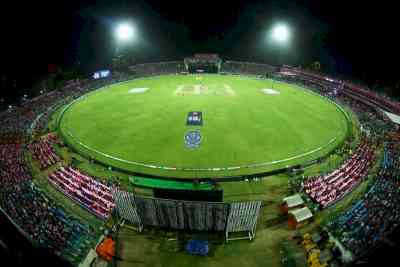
{"points": [[144, 121]]}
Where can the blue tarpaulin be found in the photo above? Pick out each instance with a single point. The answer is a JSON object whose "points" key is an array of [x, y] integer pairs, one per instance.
{"points": [[197, 247]]}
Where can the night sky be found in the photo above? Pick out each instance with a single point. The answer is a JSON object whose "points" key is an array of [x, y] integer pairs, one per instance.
{"points": [[359, 40]]}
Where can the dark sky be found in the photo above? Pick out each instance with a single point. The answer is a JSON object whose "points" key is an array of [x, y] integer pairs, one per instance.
{"points": [[357, 39]]}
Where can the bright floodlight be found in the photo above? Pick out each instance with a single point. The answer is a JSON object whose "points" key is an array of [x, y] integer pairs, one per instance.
{"points": [[125, 32], [281, 33]]}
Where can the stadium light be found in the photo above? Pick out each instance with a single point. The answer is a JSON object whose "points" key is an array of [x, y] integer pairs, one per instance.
{"points": [[125, 32], [281, 33]]}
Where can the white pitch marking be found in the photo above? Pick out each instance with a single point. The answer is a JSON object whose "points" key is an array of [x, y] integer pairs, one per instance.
{"points": [[268, 91], [179, 90], [197, 89], [138, 90], [228, 90]]}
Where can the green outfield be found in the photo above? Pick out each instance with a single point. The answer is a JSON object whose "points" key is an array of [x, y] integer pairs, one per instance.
{"points": [[248, 125]]}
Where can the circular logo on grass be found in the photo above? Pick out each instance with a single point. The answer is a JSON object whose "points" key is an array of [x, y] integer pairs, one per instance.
{"points": [[192, 139]]}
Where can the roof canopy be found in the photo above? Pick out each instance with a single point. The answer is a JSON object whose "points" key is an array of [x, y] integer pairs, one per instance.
{"points": [[293, 201], [301, 214]]}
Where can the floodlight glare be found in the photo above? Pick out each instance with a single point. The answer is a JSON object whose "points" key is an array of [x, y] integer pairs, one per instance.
{"points": [[125, 32], [280, 33]]}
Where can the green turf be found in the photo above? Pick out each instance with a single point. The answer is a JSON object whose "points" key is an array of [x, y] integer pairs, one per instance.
{"points": [[241, 127], [167, 184]]}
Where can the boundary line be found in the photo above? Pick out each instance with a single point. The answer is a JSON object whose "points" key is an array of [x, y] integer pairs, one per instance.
{"points": [[169, 168]]}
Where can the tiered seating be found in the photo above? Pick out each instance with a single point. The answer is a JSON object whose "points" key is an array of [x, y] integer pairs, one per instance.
{"points": [[353, 89], [91, 194], [377, 214], [37, 216], [374, 97], [46, 223], [12, 165], [160, 68], [327, 189], [247, 68], [43, 151]]}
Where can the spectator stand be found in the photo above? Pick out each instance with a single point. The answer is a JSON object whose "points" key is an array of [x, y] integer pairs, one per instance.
{"points": [[328, 189], [199, 63], [47, 223], [89, 193], [376, 214], [43, 151]]}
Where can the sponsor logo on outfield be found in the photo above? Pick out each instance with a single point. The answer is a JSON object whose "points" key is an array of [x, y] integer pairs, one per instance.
{"points": [[192, 139]]}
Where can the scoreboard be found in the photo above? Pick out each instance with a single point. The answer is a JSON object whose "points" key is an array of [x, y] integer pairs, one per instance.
{"points": [[101, 74]]}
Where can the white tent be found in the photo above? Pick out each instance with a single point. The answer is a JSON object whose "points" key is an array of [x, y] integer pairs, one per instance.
{"points": [[293, 201], [302, 214]]}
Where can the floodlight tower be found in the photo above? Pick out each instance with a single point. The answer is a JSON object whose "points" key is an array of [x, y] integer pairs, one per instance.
{"points": [[280, 35], [125, 33]]}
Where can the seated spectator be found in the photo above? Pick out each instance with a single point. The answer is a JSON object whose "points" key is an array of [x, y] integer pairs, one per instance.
{"points": [[377, 213]]}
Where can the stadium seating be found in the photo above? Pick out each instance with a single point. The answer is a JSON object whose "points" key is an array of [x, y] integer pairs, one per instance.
{"points": [[377, 214], [43, 151], [38, 217], [46, 223], [359, 229], [91, 194], [12, 165], [247, 68], [150, 69], [349, 88], [329, 188]]}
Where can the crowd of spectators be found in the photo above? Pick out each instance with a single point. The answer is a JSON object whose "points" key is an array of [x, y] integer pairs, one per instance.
{"points": [[329, 188], [373, 121], [247, 68], [43, 151], [40, 219], [350, 88], [37, 216], [45, 223], [377, 213], [13, 169], [48, 224], [13, 125], [150, 69], [93, 195], [374, 97]]}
